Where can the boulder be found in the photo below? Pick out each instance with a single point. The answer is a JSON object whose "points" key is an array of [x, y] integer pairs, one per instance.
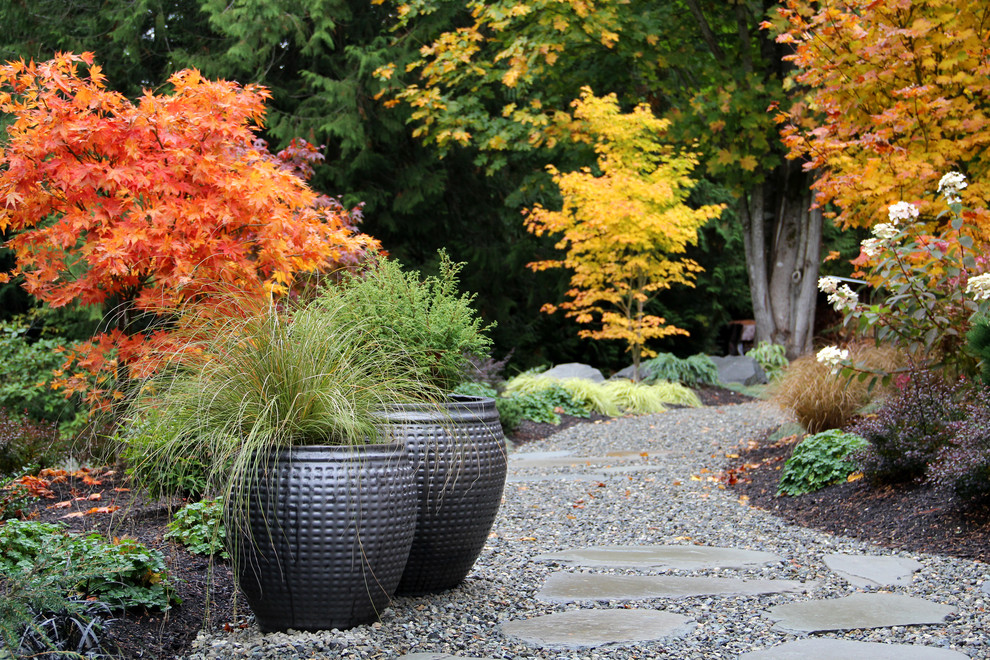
{"points": [[574, 370], [739, 369]]}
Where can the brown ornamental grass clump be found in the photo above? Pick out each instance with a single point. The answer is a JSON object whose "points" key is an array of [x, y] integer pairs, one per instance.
{"points": [[821, 400]]}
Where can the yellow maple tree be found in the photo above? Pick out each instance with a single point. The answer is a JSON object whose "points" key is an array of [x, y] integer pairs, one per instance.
{"points": [[622, 223]]}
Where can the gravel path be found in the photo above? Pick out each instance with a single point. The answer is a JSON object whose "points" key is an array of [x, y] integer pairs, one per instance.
{"points": [[674, 501]]}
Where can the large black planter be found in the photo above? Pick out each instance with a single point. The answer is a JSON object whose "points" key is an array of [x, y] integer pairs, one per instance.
{"points": [[330, 530], [458, 453]]}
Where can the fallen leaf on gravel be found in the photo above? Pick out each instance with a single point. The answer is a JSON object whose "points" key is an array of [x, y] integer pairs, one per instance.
{"points": [[77, 514], [62, 505], [855, 476]]}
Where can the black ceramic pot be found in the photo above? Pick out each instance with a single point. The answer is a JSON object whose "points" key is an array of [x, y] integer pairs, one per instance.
{"points": [[458, 454], [330, 531]]}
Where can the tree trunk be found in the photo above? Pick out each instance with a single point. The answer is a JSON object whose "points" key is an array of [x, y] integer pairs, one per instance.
{"points": [[783, 242]]}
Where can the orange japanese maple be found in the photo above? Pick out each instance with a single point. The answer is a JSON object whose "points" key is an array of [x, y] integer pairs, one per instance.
{"points": [[153, 204]]}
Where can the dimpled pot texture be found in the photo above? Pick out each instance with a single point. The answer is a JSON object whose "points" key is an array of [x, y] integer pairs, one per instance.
{"points": [[331, 528], [459, 456]]}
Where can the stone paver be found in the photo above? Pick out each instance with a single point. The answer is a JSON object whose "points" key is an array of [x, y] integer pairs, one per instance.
{"points": [[583, 587], [830, 649], [542, 460], [873, 571], [686, 557], [582, 629], [856, 612], [439, 656]]}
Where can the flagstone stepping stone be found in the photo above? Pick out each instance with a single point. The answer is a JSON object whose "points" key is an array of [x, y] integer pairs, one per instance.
{"points": [[873, 571], [559, 476], [829, 649], [563, 458], [686, 557], [595, 474], [578, 587], [857, 611], [439, 656], [583, 629]]}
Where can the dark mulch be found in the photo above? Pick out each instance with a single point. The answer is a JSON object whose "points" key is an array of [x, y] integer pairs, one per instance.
{"points": [[206, 587], [916, 517], [919, 518]]}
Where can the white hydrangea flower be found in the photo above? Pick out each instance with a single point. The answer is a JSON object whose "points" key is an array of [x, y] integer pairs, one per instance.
{"points": [[871, 247], [843, 298], [950, 185], [833, 357], [828, 284], [902, 211], [979, 287], [885, 231]]}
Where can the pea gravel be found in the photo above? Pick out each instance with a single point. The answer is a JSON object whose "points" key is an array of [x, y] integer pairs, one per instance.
{"points": [[677, 501]]}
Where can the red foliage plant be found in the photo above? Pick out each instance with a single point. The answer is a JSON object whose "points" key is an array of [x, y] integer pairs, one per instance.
{"points": [[153, 204]]}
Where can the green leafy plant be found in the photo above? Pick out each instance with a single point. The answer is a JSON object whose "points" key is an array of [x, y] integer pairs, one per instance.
{"points": [[692, 371], [199, 527], [123, 574], [425, 319], [28, 367], [772, 357], [819, 460]]}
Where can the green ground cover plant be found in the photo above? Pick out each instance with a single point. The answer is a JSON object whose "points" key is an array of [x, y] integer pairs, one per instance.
{"points": [[199, 527], [819, 460], [121, 573]]}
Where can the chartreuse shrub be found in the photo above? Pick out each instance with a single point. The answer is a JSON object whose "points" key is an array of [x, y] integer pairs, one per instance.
{"points": [[819, 460], [56, 585], [578, 396], [692, 371], [822, 399], [428, 320], [199, 527], [771, 357], [909, 430]]}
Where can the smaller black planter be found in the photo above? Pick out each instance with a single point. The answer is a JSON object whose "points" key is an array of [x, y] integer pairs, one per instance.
{"points": [[458, 454], [330, 531]]}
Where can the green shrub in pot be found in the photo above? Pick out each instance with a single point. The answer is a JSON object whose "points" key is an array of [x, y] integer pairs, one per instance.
{"points": [[458, 448], [283, 403]]}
